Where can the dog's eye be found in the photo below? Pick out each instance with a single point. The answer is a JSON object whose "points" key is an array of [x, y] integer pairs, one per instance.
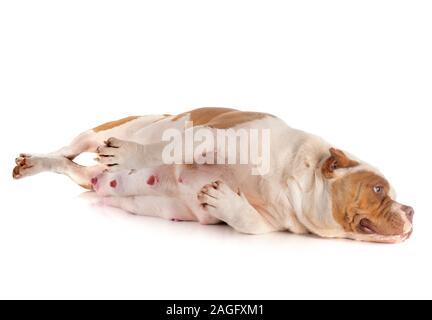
{"points": [[378, 189]]}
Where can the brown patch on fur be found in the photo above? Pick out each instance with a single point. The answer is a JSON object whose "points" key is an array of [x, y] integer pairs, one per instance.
{"points": [[113, 124], [354, 199], [220, 118], [190, 166], [337, 160], [202, 116], [87, 186], [231, 119], [163, 117]]}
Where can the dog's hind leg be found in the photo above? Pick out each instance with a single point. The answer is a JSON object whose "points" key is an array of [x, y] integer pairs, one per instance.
{"points": [[60, 161], [86, 142], [155, 206], [28, 165]]}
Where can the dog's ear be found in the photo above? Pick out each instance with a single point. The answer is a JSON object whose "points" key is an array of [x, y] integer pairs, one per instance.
{"points": [[337, 160]]}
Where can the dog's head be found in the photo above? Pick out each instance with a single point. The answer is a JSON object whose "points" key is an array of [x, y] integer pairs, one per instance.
{"points": [[363, 202]]}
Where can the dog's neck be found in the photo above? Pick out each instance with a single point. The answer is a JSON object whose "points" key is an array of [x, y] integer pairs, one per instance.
{"points": [[308, 191]]}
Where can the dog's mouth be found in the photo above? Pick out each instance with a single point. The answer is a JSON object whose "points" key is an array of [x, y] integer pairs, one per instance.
{"points": [[367, 227], [369, 232]]}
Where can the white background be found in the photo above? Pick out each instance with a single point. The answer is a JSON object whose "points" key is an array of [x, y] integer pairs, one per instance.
{"points": [[358, 73]]}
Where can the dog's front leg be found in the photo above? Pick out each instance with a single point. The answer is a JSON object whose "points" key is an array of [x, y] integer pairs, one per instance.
{"points": [[125, 155], [233, 208]]}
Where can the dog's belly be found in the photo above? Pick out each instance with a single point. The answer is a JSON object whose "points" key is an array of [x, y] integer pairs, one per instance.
{"points": [[176, 185]]}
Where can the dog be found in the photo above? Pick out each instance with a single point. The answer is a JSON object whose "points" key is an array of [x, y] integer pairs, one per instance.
{"points": [[308, 187]]}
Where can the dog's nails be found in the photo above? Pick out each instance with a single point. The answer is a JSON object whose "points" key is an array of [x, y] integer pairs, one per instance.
{"points": [[20, 161], [216, 184], [16, 173], [112, 164]]}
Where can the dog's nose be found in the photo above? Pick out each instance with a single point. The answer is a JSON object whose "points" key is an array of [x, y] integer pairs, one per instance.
{"points": [[409, 212]]}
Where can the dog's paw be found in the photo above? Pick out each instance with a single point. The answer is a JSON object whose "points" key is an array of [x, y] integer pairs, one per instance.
{"points": [[218, 197], [111, 153], [26, 165], [118, 154]]}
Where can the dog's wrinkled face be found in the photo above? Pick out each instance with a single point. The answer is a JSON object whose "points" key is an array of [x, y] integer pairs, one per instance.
{"points": [[363, 205]]}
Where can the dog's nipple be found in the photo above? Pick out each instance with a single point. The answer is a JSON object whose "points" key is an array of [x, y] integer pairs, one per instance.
{"points": [[151, 180]]}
